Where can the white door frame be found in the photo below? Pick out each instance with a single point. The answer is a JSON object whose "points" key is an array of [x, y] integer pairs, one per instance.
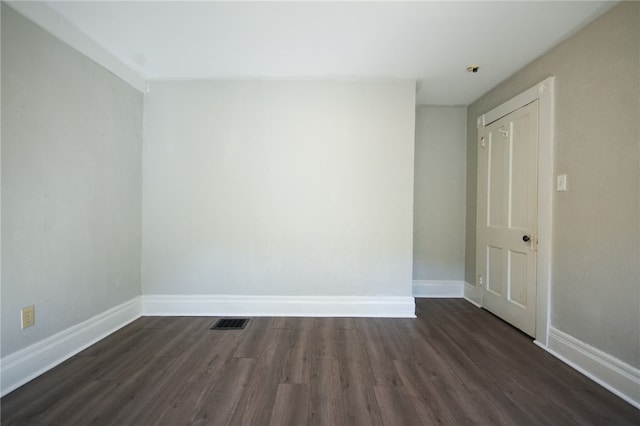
{"points": [[543, 92]]}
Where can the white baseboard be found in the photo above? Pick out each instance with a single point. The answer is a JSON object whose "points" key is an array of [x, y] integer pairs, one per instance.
{"points": [[472, 294], [620, 378], [438, 288], [293, 306], [26, 364]]}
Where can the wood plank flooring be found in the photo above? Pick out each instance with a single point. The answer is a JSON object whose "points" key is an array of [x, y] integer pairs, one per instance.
{"points": [[454, 365]]}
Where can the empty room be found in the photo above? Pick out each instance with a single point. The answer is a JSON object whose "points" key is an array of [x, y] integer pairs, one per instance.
{"points": [[320, 213]]}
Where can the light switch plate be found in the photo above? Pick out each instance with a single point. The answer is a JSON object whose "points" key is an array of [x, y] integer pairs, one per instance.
{"points": [[561, 183]]}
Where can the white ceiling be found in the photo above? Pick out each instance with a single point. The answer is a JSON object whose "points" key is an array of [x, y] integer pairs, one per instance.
{"points": [[432, 42]]}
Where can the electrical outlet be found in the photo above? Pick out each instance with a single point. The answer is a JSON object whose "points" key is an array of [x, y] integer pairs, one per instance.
{"points": [[28, 316]]}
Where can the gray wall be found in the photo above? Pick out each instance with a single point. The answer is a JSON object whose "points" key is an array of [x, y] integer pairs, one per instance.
{"points": [[296, 188], [71, 185], [595, 286], [439, 193]]}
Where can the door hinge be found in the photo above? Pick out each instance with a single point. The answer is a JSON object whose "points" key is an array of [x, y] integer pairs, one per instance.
{"points": [[482, 143]]}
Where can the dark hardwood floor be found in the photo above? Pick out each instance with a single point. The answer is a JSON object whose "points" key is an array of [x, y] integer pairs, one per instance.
{"points": [[454, 364]]}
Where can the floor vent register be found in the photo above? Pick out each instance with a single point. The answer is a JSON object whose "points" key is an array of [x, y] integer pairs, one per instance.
{"points": [[230, 324]]}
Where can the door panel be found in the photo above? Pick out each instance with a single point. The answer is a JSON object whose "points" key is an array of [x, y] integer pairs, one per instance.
{"points": [[519, 206], [498, 172], [494, 270], [517, 278], [507, 213]]}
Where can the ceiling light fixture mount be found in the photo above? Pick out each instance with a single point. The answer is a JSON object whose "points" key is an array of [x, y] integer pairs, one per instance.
{"points": [[473, 68]]}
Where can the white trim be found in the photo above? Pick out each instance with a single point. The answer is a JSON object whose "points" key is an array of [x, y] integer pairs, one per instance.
{"points": [[617, 376], [294, 306], [438, 288], [546, 117], [543, 92], [472, 294], [55, 24], [20, 367], [517, 102]]}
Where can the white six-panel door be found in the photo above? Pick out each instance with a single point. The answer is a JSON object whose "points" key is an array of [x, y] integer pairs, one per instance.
{"points": [[507, 216]]}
